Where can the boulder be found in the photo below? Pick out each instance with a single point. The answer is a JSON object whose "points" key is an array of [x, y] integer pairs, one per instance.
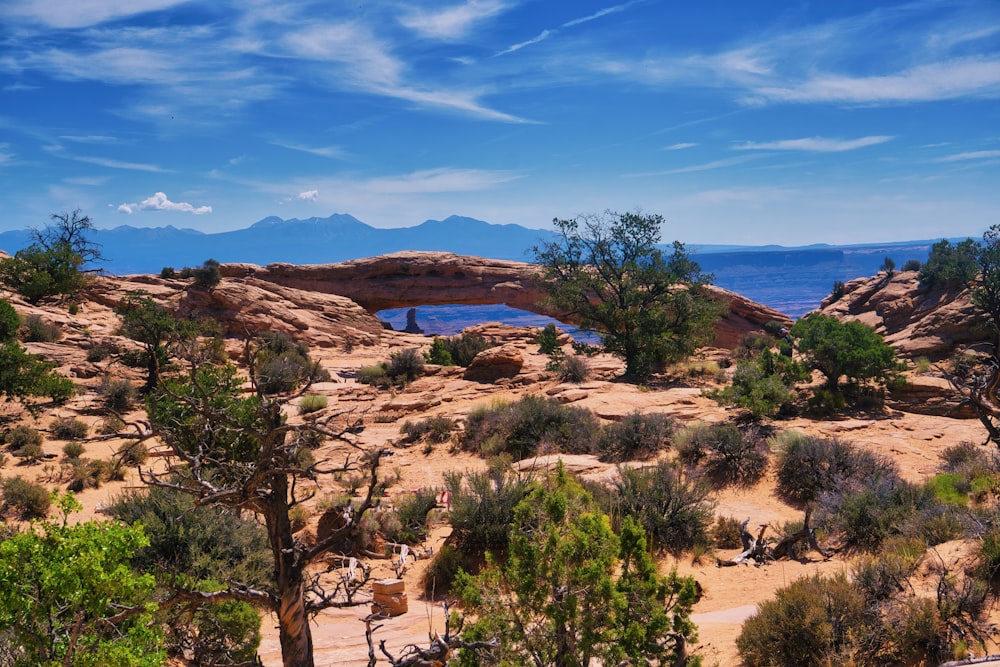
{"points": [[495, 363]]}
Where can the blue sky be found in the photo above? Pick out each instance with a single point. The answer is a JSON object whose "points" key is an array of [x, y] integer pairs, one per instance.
{"points": [[739, 121]]}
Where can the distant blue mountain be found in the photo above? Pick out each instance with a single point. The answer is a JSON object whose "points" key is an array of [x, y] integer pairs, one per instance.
{"points": [[791, 280]]}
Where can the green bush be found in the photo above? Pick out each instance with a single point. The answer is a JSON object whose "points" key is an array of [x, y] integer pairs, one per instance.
{"points": [[207, 275], [10, 322], [762, 385], [101, 351], [405, 366], [412, 511], [27, 499], [283, 365], [442, 570], [464, 347], [436, 429], [950, 265], [734, 456], [73, 449], [726, 532], [675, 512], [37, 330], [866, 514], [21, 435], [548, 339], [311, 403], [911, 265], [810, 622], [482, 508], [373, 375], [69, 428], [439, 354], [168, 273], [637, 436], [950, 489], [530, 426]]}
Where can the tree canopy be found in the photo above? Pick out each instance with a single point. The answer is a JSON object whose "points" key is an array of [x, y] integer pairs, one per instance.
{"points": [[648, 308], [838, 349], [25, 376]]}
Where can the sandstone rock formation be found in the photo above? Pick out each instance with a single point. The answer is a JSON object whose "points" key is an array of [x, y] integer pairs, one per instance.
{"points": [[916, 320], [504, 361], [408, 279]]}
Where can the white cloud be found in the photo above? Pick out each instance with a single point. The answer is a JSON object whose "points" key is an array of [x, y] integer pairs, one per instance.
{"points": [[973, 77], [707, 166], [160, 202], [80, 13], [679, 147], [814, 144], [117, 164], [5, 154], [543, 35], [453, 22], [309, 195], [972, 155], [332, 152]]}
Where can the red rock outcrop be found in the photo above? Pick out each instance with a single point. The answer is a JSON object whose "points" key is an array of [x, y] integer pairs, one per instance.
{"points": [[433, 278], [917, 321]]}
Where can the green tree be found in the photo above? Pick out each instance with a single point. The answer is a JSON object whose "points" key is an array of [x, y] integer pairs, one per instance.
{"points": [[236, 449], [648, 308], [70, 597], [986, 293], [54, 263], [25, 376], [950, 265], [838, 349], [571, 591], [155, 328]]}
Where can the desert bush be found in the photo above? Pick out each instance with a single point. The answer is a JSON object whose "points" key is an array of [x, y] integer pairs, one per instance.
{"points": [[283, 364], [939, 524], [950, 488], [438, 354], [735, 456], [464, 347], [482, 507], [37, 330], [753, 343], [726, 532], [762, 384], [111, 424], [442, 570], [964, 454], [10, 322], [373, 375], [168, 272], [405, 366], [21, 435], [950, 265], [69, 428], [810, 622], [866, 514], [311, 403], [637, 436], [436, 429], [101, 351], [808, 466], [529, 426], [132, 453], [574, 369], [205, 276], [412, 510], [119, 394], [89, 474], [73, 449], [548, 339], [837, 293], [911, 265], [675, 512], [26, 499]]}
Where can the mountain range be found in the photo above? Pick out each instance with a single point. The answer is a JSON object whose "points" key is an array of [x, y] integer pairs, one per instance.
{"points": [[791, 280]]}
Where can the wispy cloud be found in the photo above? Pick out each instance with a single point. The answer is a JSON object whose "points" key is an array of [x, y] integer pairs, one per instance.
{"points": [[332, 152], [706, 166], [452, 22], [549, 32], [6, 155], [543, 35], [308, 195], [814, 144], [971, 155], [160, 202], [89, 139], [118, 164], [679, 147], [80, 14]]}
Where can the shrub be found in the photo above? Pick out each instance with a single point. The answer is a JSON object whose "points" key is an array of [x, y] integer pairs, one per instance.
{"points": [[442, 570], [676, 513], [548, 339], [312, 403], [726, 532], [911, 265], [950, 265], [950, 489], [837, 293], [436, 429], [73, 449], [101, 351], [111, 424], [132, 453], [207, 275], [808, 467], [866, 514], [282, 364], [405, 366], [439, 354], [482, 507], [119, 395], [69, 428], [22, 435], [37, 330], [412, 511], [27, 499], [168, 273], [637, 436], [529, 426], [373, 375], [10, 322], [810, 622], [464, 347], [762, 385], [734, 456], [574, 369], [30, 452]]}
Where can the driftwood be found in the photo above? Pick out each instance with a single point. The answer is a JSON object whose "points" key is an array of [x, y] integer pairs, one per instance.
{"points": [[757, 549]]}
